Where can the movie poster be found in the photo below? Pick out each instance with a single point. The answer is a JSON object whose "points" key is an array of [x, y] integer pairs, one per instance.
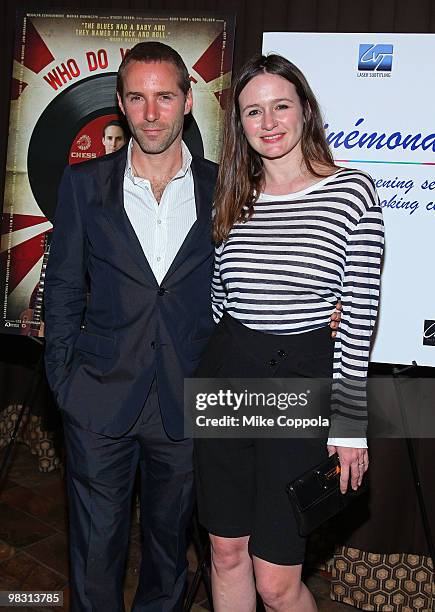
{"points": [[62, 99]]}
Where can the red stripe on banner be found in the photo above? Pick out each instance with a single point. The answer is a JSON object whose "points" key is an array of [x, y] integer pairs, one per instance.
{"points": [[223, 97], [20, 222], [23, 257], [17, 88], [36, 53], [209, 64]]}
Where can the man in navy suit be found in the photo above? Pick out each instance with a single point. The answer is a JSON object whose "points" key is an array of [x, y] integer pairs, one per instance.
{"points": [[128, 314]]}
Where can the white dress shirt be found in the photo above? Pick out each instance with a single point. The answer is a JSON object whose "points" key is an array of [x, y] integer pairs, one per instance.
{"points": [[161, 228]]}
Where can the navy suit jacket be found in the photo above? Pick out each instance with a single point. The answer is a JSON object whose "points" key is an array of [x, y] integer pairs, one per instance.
{"points": [[110, 327]]}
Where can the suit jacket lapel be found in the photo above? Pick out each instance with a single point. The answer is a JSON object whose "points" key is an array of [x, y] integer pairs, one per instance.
{"points": [[112, 186], [203, 188]]}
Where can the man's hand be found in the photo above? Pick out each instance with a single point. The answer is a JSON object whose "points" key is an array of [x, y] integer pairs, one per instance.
{"points": [[354, 463], [335, 319]]}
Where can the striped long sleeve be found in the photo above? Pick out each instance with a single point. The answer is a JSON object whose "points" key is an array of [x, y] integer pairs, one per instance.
{"points": [[218, 293], [360, 298]]}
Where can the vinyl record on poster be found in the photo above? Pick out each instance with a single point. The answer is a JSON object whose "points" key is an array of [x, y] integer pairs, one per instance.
{"points": [[59, 124]]}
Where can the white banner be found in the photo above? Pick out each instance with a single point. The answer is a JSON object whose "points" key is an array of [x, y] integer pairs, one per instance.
{"points": [[376, 92]]}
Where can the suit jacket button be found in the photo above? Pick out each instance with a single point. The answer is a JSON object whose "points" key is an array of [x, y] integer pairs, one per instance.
{"points": [[153, 345], [161, 291], [273, 362], [282, 353]]}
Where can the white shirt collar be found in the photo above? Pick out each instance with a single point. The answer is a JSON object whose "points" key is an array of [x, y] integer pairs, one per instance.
{"points": [[185, 165]]}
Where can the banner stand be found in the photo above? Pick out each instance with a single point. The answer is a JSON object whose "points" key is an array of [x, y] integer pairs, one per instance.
{"points": [[202, 548], [28, 399], [398, 381]]}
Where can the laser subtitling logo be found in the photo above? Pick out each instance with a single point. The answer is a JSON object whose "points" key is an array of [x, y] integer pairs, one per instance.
{"points": [[375, 58]]}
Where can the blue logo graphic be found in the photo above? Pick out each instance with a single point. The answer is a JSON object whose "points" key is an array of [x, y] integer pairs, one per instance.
{"points": [[375, 57], [429, 333]]}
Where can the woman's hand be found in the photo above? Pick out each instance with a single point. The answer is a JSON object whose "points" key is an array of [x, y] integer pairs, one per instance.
{"points": [[354, 463], [334, 323]]}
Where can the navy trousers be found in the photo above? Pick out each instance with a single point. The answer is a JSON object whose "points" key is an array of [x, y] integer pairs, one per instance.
{"points": [[101, 472]]}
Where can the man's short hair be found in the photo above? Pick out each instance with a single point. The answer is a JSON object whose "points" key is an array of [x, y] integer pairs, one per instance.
{"points": [[149, 52], [115, 123]]}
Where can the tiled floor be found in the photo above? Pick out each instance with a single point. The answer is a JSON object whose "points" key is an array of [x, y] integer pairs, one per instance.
{"points": [[34, 541]]}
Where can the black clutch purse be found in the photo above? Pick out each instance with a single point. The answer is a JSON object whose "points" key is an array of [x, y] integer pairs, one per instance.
{"points": [[315, 496]]}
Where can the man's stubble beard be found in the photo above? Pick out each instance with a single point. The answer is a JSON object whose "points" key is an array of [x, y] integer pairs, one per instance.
{"points": [[168, 137]]}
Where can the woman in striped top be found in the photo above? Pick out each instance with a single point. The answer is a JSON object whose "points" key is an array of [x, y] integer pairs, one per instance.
{"points": [[295, 233]]}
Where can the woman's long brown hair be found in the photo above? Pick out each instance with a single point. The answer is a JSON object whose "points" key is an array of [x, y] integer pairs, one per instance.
{"points": [[241, 172]]}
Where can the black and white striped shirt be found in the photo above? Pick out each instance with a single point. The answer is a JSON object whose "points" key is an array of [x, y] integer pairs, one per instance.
{"points": [[283, 271]]}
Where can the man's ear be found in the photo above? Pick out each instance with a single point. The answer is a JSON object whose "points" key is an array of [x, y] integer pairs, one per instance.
{"points": [[120, 104], [188, 102]]}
